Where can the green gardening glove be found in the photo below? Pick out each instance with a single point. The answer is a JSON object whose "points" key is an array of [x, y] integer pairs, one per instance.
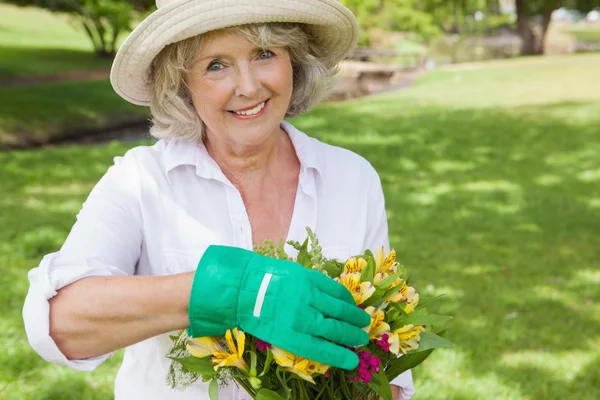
{"points": [[297, 309]]}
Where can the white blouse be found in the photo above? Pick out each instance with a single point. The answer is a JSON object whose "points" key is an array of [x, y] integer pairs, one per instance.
{"points": [[159, 207]]}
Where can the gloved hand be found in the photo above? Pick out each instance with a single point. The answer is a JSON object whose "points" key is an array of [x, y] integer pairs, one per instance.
{"points": [[292, 307]]}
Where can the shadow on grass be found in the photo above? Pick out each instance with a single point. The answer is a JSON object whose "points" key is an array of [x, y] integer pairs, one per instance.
{"points": [[28, 61], [497, 207]]}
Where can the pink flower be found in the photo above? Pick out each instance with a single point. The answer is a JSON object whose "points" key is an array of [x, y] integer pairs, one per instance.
{"points": [[374, 362], [365, 376], [367, 365], [262, 346], [383, 342]]}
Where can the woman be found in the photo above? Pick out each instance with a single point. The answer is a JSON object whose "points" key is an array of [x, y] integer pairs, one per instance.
{"points": [[142, 259]]}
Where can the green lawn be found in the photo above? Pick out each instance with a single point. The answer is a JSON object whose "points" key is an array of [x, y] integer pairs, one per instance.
{"points": [[585, 35], [492, 178], [37, 113], [37, 42]]}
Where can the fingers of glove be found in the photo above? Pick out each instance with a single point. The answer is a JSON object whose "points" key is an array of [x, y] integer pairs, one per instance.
{"points": [[334, 330], [332, 288], [317, 349], [332, 307]]}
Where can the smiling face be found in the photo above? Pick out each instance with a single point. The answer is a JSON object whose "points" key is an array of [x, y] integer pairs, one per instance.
{"points": [[240, 92]]}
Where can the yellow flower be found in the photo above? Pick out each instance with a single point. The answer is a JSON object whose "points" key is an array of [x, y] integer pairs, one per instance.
{"points": [[411, 302], [386, 265], [409, 337], [361, 291], [394, 342], [406, 294], [354, 265], [378, 326], [303, 367], [381, 276], [205, 346]]}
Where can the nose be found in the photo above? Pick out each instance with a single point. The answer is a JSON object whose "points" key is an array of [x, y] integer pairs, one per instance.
{"points": [[248, 83]]}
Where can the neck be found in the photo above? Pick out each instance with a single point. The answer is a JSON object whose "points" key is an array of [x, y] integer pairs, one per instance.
{"points": [[243, 164]]}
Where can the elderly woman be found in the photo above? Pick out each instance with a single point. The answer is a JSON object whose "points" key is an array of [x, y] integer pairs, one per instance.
{"points": [[163, 241]]}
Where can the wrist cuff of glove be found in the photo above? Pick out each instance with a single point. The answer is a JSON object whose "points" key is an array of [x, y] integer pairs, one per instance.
{"points": [[212, 308]]}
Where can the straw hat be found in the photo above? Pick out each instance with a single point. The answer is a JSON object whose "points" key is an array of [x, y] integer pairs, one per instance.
{"points": [[333, 26]]}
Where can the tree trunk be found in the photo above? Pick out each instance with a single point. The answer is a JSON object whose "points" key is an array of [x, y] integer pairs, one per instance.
{"points": [[534, 37], [546, 19], [524, 28]]}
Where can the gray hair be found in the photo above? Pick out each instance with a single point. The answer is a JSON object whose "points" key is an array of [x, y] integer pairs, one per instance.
{"points": [[173, 114]]}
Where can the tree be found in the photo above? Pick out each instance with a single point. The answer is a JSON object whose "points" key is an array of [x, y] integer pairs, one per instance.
{"points": [[101, 20], [532, 32], [391, 15]]}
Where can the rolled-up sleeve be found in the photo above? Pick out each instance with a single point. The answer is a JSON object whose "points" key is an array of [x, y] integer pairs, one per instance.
{"points": [[377, 236], [104, 241]]}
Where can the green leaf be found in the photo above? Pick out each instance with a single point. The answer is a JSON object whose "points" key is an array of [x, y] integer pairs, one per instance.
{"points": [[425, 299], [200, 366], [281, 254], [267, 362], [303, 256], [266, 394], [385, 283], [252, 363], [284, 392], [374, 299], [399, 308], [382, 293], [404, 363], [213, 390], [333, 268], [430, 340], [368, 272], [382, 387]]}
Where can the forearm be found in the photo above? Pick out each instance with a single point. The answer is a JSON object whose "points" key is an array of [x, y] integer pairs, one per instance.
{"points": [[98, 315]]}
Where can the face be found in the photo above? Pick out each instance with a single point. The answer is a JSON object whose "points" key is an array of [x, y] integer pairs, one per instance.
{"points": [[240, 92]]}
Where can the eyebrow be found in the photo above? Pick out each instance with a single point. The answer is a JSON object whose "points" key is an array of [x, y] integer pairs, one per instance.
{"points": [[222, 56], [212, 56]]}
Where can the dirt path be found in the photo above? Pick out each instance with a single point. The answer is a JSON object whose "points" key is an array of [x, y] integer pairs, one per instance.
{"points": [[69, 76]]}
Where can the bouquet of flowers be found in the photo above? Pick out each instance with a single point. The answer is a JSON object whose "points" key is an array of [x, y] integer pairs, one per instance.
{"points": [[402, 335]]}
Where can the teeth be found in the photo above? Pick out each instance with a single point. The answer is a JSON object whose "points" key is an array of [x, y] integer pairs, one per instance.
{"points": [[254, 111]]}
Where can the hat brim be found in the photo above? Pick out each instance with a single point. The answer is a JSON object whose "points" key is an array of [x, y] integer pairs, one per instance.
{"points": [[333, 26]]}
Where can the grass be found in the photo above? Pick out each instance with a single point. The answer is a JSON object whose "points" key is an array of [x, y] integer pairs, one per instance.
{"points": [[33, 113], [585, 35], [38, 42], [492, 184]]}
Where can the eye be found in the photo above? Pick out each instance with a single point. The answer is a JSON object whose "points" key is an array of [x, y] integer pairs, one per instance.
{"points": [[215, 66], [266, 54]]}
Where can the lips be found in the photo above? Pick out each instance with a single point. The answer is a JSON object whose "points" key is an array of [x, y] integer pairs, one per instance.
{"points": [[249, 108]]}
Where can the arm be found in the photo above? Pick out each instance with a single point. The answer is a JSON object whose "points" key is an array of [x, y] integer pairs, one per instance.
{"points": [[98, 315], [68, 291]]}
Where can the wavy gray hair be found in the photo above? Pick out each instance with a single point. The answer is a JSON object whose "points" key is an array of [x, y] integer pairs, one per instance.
{"points": [[173, 114]]}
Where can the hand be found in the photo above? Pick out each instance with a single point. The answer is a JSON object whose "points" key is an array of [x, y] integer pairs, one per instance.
{"points": [[280, 302]]}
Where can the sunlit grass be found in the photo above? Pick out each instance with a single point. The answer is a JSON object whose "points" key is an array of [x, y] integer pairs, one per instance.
{"points": [[493, 199], [37, 42]]}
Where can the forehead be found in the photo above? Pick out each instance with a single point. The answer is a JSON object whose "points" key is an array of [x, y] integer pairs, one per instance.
{"points": [[224, 41]]}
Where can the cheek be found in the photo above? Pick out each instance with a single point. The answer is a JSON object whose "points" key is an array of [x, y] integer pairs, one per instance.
{"points": [[208, 96], [280, 77]]}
